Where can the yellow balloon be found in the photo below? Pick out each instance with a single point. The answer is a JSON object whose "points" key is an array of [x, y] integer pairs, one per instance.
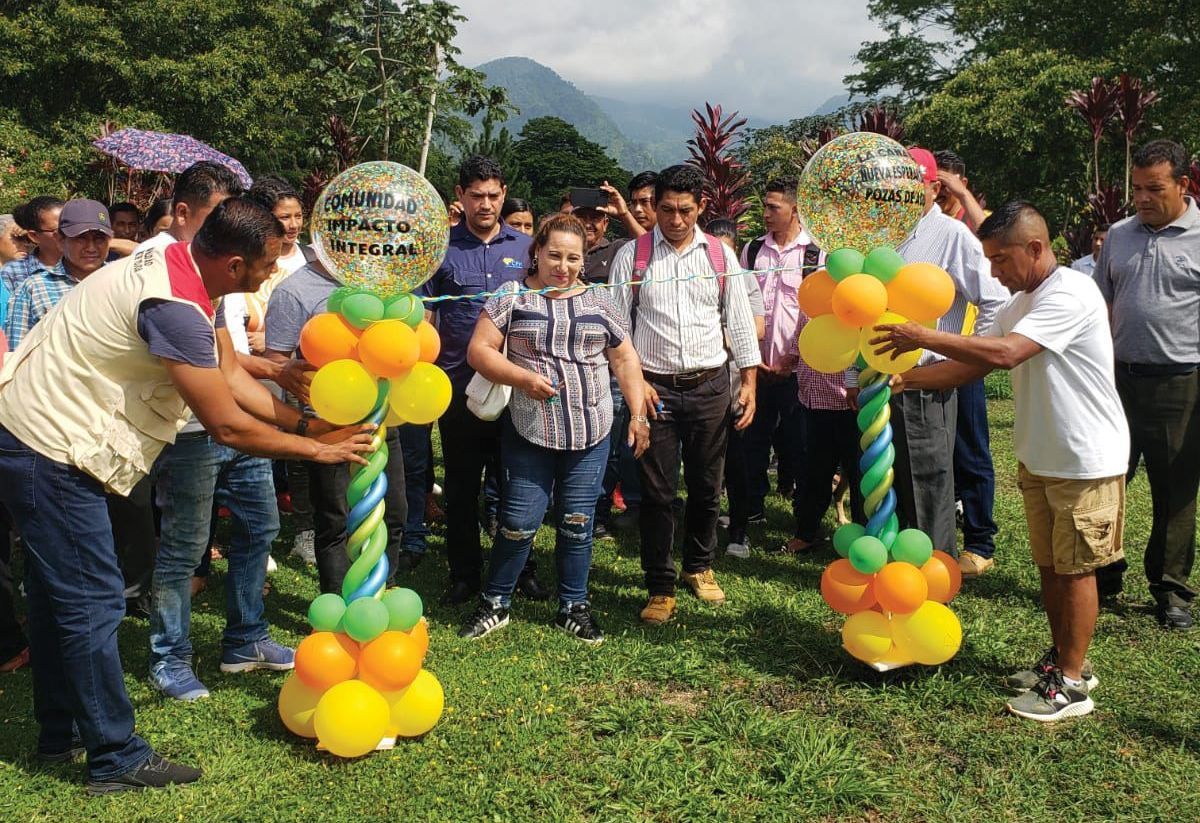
{"points": [[392, 418], [422, 395], [867, 636], [297, 704], [351, 719], [884, 362], [828, 345], [931, 635], [343, 392], [416, 709]]}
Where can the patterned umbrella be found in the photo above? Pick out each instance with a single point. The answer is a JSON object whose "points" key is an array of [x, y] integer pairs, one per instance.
{"points": [[156, 151]]}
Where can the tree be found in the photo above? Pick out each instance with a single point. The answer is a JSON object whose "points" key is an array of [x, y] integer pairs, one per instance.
{"points": [[555, 157]]}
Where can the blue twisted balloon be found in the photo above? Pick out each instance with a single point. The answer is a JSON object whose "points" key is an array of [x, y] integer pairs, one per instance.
{"points": [[366, 543], [878, 456]]}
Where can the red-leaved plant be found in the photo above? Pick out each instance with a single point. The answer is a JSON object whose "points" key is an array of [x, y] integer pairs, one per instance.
{"points": [[1132, 104], [881, 120], [727, 181], [1097, 105]]}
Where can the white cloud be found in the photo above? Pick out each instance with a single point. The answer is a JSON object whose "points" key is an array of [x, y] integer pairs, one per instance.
{"points": [[771, 58]]}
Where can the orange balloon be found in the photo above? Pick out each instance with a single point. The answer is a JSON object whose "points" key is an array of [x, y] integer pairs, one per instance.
{"points": [[846, 589], [943, 576], [324, 659], [389, 348], [900, 588], [327, 337], [859, 300], [430, 342], [420, 635], [921, 292], [390, 661], [816, 293]]}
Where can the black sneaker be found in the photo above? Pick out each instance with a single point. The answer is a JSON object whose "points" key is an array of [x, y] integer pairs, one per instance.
{"points": [[756, 518], [600, 531], [578, 621], [155, 773], [1026, 679], [459, 592], [1174, 617], [408, 560], [485, 620], [1052, 699], [67, 755]]}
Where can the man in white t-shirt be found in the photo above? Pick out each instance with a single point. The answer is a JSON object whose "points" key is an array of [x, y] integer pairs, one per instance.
{"points": [[1070, 437]]}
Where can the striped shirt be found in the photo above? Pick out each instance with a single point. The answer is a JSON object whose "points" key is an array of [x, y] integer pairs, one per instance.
{"points": [[564, 340], [34, 298], [946, 242], [678, 326]]}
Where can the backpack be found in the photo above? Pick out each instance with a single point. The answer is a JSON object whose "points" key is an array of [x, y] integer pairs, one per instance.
{"points": [[644, 250], [812, 256]]}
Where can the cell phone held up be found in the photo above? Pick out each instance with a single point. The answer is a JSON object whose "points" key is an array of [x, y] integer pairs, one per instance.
{"points": [[588, 198]]}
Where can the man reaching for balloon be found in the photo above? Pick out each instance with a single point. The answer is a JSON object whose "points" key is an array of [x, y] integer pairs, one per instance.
{"points": [[1070, 437]]}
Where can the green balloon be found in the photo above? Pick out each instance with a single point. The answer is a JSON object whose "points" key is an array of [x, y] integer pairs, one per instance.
{"points": [[325, 612], [861, 363], [845, 536], [334, 303], [883, 263], [867, 555], [843, 263], [912, 546], [366, 618], [406, 308], [404, 608], [361, 309]]}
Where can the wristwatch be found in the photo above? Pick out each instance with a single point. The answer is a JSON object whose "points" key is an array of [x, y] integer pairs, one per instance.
{"points": [[302, 425]]}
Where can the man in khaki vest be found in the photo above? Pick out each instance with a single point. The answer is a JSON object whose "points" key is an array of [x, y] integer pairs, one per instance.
{"points": [[99, 387]]}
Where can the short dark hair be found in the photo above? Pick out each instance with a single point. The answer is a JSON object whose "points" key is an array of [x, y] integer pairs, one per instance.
{"points": [[722, 227], [117, 208], [29, 215], [951, 162], [783, 185], [1102, 227], [479, 167], [512, 205], [159, 209], [683, 179], [1004, 219], [643, 180], [268, 191], [200, 181], [238, 226], [1162, 151]]}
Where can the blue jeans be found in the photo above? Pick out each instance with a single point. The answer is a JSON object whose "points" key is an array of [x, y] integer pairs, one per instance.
{"points": [[974, 476], [414, 443], [189, 475], [75, 594], [529, 475]]}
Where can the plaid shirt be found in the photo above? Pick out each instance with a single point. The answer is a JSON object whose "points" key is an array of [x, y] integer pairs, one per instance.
{"points": [[34, 297], [819, 391], [16, 272]]}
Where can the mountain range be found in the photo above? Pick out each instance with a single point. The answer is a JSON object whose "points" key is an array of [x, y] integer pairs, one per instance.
{"points": [[638, 135]]}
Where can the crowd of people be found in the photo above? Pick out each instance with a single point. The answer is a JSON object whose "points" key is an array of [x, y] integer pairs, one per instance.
{"points": [[156, 380]]}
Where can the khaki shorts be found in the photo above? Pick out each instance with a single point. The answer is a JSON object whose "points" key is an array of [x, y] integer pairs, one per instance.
{"points": [[1075, 526]]}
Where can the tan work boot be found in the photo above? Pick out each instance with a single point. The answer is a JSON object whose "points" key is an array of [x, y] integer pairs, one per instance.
{"points": [[659, 609], [973, 565], [704, 584]]}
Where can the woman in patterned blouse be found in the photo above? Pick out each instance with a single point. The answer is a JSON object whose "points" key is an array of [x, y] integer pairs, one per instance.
{"points": [[555, 445]]}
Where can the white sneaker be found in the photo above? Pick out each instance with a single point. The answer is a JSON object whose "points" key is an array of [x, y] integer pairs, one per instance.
{"points": [[739, 550], [437, 490], [304, 548], [271, 565]]}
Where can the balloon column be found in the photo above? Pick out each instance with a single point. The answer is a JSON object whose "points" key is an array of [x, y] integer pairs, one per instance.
{"points": [[381, 229], [359, 682], [860, 195]]}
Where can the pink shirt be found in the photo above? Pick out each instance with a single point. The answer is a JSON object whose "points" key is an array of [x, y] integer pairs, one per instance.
{"points": [[778, 284]]}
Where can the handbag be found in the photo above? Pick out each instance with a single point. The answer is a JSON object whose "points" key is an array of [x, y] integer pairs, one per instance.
{"points": [[485, 399]]}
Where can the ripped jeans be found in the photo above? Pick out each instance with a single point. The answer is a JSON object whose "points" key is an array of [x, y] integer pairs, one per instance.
{"points": [[530, 475]]}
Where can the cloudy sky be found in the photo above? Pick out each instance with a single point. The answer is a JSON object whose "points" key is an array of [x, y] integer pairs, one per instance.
{"points": [[772, 58]]}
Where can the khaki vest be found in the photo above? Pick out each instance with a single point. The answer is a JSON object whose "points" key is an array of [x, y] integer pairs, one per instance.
{"points": [[83, 389]]}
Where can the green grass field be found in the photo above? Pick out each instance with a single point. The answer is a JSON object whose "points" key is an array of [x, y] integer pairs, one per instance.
{"points": [[750, 711]]}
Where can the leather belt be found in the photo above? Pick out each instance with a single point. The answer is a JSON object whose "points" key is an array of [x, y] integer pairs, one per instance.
{"points": [[1156, 369], [686, 380]]}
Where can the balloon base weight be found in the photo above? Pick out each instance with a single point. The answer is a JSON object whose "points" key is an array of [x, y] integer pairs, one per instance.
{"points": [[385, 745]]}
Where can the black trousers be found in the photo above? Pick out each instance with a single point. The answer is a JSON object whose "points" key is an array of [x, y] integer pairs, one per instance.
{"points": [[12, 636], [694, 423], [1164, 425], [468, 444], [327, 487], [132, 519], [924, 424], [830, 440]]}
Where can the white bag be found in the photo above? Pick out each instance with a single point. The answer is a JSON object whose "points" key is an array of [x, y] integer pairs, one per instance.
{"points": [[485, 399]]}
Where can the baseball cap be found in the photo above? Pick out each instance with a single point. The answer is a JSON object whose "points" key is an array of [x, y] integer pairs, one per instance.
{"points": [[922, 157], [79, 216]]}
